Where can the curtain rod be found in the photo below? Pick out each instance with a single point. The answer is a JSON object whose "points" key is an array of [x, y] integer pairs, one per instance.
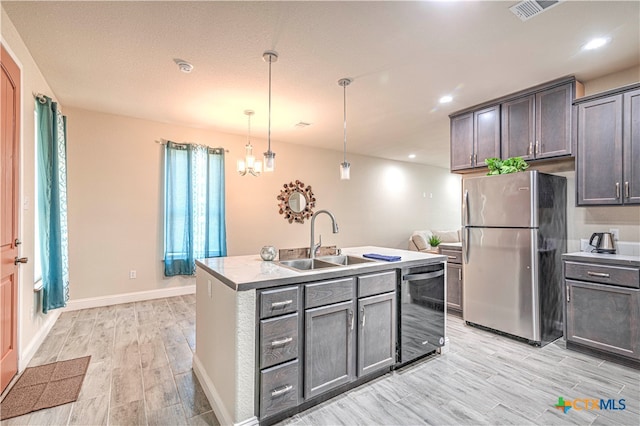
{"points": [[164, 142], [40, 97]]}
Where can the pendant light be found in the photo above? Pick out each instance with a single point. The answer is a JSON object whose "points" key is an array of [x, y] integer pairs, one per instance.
{"points": [[269, 156], [345, 167], [249, 164]]}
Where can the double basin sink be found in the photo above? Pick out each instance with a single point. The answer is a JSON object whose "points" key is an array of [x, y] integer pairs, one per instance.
{"points": [[323, 262]]}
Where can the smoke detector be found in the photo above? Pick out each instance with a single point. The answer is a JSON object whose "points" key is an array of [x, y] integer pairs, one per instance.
{"points": [[527, 9], [183, 66]]}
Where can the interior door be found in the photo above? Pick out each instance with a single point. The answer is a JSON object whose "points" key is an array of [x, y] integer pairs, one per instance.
{"points": [[9, 186]]}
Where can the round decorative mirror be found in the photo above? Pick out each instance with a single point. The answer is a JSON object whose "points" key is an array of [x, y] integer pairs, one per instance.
{"points": [[296, 202]]}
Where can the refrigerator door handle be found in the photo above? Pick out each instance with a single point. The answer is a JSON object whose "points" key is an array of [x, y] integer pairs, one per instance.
{"points": [[465, 253], [466, 207]]}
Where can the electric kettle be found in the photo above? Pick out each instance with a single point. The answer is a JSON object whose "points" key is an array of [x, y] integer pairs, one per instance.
{"points": [[604, 242]]}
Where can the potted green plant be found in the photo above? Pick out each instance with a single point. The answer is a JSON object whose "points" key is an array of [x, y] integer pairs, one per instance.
{"points": [[434, 242], [502, 167]]}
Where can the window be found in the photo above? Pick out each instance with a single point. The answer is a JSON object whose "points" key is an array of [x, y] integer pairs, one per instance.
{"points": [[194, 210]]}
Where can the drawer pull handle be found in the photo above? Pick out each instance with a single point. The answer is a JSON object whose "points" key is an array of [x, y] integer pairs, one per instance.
{"points": [[282, 390], [282, 342], [281, 304], [452, 257], [597, 274]]}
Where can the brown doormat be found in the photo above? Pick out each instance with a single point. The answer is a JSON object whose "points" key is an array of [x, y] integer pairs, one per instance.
{"points": [[45, 386]]}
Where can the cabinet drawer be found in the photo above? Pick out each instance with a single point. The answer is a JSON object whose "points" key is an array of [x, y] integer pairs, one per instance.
{"points": [[369, 285], [278, 340], [605, 274], [278, 301], [328, 292], [278, 388], [453, 256]]}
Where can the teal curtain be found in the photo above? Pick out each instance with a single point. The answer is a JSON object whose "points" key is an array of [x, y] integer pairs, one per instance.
{"points": [[52, 199], [194, 210]]}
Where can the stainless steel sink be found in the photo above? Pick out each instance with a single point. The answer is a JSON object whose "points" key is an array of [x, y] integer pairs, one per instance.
{"points": [[307, 264], [345, 260]]}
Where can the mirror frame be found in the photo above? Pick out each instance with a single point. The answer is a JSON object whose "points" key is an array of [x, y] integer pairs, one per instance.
{"points": [[285, 208]]}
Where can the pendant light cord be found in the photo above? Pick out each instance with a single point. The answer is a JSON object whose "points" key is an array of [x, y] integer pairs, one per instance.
{"points": [[344, 87], [269, 133]]}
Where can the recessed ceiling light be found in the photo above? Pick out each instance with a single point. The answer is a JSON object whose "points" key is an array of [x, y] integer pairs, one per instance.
{"points": [[595, 43], [446, 99], [412, 156]]}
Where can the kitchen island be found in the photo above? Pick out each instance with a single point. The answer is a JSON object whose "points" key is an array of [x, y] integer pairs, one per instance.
{"points": [[254, 318]]}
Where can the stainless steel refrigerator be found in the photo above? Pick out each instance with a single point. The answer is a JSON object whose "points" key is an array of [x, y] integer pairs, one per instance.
{"points": [[514, 233]]}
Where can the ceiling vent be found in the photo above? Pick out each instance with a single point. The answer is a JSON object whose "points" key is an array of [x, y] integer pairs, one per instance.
{"points": [[527, 9]]}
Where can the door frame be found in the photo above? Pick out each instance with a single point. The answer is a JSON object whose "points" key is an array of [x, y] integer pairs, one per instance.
{"points": [[20, 189]]}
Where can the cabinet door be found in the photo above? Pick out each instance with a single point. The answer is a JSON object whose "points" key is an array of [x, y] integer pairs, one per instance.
{"points": [[631, 122], [462, 142], [376, 332], [603, 317], [553, 122], [486, 135], [454, 287], [518, 128], [329, 354], [599, 156]]}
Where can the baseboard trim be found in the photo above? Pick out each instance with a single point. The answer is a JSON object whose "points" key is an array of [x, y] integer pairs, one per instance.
{"points": [[224, 417], [42, 333], [115, 299]]}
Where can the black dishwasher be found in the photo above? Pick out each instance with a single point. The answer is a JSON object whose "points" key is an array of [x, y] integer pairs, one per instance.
{"points": [[421, 307]]}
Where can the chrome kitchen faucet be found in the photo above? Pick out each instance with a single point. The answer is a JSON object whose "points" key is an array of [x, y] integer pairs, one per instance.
{"points": [[313, 246]]}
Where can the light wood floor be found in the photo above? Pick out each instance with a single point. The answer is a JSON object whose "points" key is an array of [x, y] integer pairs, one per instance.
{"points": [[140, 373], [486, 379]]}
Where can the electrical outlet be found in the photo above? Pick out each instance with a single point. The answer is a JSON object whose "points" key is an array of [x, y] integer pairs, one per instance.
{"points": [[133, 274], [616, 233], [209, 288]]}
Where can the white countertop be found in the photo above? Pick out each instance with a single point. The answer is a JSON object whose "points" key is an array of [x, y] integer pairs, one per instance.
{"points": [[251, 272], [611, 259]]}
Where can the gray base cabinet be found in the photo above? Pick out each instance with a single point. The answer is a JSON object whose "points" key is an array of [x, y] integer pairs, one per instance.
{"points": [[279, 350], [376, 333], [454, 279], [603, 317], [608, 148], [329, 348], [602, 307], [318, 336]]}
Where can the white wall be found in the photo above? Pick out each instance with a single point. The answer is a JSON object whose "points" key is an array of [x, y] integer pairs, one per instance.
{"points": [[31, 323], [115, 200]]}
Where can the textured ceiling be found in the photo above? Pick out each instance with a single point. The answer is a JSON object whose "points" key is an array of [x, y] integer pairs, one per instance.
{"points": [[117, 57]]}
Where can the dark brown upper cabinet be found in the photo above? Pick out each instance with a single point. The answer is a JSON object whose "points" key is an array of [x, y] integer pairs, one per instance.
{"points": [[539, 125], [475, 136], [608, 148], [535, 124]]}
